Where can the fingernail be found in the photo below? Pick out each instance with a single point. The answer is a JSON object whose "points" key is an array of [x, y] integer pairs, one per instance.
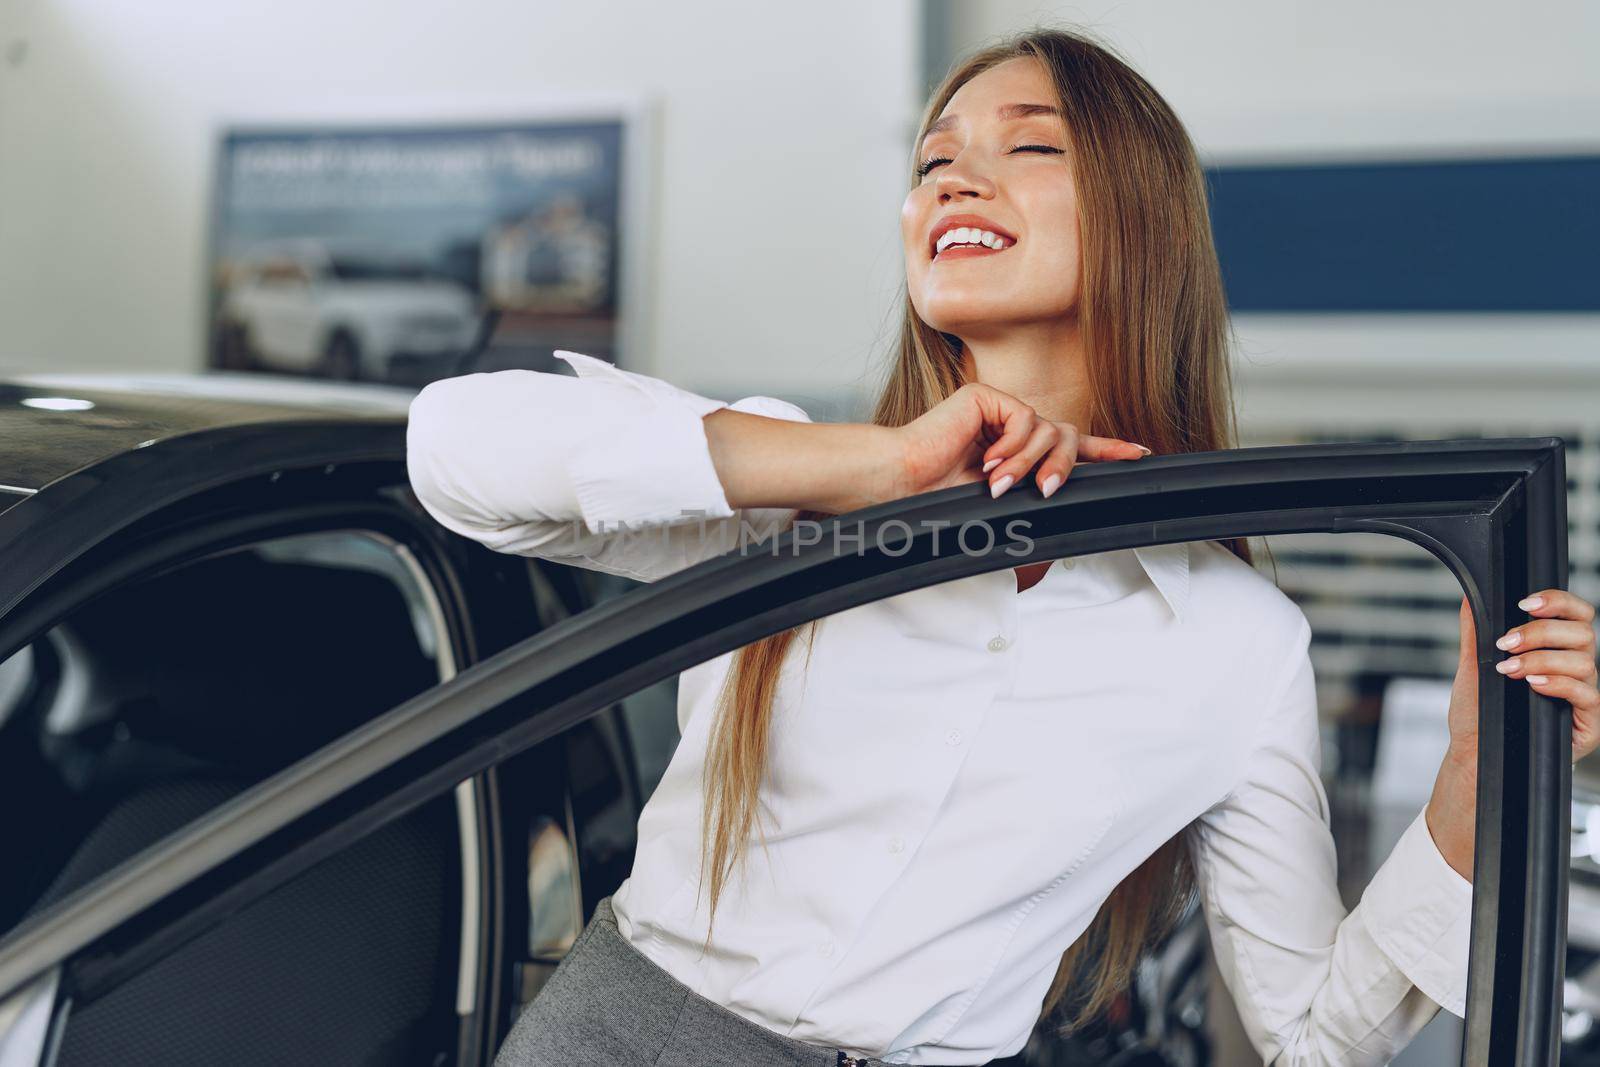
{"points": [[1051, 483], [1529, 603], [1508, 641], [1001, 486], [1141, 448], [1537, 679], [1506, 666], [989, 466]]}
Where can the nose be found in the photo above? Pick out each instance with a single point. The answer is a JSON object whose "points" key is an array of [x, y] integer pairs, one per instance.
{"points": [[960, 178]]}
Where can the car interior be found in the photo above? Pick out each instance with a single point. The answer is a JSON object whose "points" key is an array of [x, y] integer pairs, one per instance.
{"points": [[163, 698]]}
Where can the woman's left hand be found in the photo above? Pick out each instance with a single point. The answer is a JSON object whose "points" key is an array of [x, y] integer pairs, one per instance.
{"points": [[1554, 653]]}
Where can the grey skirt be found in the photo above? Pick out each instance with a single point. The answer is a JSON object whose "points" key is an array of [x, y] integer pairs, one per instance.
{"points": [[610, 1005]]}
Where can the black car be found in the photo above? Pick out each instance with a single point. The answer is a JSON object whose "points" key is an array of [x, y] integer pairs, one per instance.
{"points": [[295, 775]]}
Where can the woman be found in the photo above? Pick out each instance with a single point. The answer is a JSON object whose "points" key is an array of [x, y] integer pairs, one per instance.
{"points": [[977, 802]]}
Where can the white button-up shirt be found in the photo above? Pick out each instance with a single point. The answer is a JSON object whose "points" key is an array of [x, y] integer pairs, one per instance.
{"points": [[961, 774]]}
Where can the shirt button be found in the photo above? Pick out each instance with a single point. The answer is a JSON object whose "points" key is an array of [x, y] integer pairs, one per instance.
{"points": [[1069, 563], [825, 948], [998, 644], [897, 843], [953, 737]]}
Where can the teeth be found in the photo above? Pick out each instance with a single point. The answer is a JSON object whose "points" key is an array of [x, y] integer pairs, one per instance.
{"points": [[966, 235]]}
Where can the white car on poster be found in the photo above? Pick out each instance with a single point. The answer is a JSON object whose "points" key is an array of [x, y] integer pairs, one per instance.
{"points": [[353, 313]]}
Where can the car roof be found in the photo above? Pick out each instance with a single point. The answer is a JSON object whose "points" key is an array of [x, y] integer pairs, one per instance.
{"points": [[54, 424]]}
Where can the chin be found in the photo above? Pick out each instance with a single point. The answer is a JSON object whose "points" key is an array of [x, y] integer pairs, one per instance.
{"points": [[972, 318]]}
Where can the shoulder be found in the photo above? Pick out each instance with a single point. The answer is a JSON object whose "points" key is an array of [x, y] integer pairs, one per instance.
{"points": [[1226, 594]]}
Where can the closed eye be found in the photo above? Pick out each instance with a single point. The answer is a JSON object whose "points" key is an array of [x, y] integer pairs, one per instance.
{"points": [[929, 164]]}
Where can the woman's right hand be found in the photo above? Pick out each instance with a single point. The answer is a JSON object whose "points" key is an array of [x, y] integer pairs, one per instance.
{"points": [[979, 430]]}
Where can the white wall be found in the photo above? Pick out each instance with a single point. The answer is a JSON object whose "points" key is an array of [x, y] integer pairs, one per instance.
{"points": [[1278, 79], [781, 153]]}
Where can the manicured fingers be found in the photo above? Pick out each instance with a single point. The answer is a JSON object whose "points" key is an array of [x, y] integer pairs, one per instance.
{"points": [[1016, 433], [1059, 456], [1558, 604], [1015, 422], [1018, 439], [1041, 439], [1561, 620], [1108, 448], [1056, 467], [1011, 425], [1532, 665], [1555, 654]]}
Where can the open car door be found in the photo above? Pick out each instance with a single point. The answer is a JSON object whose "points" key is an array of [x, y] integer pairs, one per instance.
{"points": [[1493, 511]]}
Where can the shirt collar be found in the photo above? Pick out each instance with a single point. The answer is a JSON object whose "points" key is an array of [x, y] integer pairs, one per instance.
{"points": [[1168, 569]]}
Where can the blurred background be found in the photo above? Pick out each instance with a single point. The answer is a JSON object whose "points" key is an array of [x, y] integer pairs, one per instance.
{"points": [[1404, 197]]}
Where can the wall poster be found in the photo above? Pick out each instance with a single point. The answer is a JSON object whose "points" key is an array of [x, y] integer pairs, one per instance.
{"points": [[406, 253]]}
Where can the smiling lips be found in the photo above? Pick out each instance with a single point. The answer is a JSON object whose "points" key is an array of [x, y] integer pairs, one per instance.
{"points": [[968, 251], [965, 236]]}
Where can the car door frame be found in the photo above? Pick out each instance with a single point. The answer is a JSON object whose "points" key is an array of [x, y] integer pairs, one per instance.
{"points": [[1492, 510]]}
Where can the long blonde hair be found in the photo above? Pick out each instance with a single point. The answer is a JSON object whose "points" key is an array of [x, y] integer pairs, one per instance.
{"points": [[1154, 323]]}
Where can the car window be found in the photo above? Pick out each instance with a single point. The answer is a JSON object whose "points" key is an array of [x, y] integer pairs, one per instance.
{"points": [[356, 268], [153, 703], [282, 274]]}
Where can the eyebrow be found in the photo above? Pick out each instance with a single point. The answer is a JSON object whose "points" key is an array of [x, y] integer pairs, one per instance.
{"points": [[1006, 112]]}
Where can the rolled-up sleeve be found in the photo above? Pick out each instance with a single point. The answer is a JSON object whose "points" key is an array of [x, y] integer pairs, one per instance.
{"points": [[1313, 984], [608, 470]]}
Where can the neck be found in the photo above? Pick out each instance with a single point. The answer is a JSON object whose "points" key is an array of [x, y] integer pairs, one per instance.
{"points": [[1041, 364]]}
